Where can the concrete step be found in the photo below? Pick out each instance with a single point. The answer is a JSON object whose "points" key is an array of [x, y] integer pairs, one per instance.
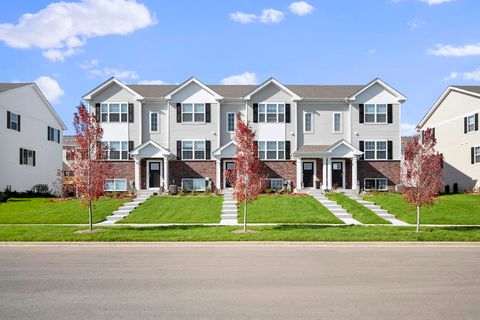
{"points": [[229, 209], [338, 211], [229, 222], [378, 212], [115, 217], [372, 206], [132, 204], [228, 216], [118, 212], [229, 201], [344, 216]]}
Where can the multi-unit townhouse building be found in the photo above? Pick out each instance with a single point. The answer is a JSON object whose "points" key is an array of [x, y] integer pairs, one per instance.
{"points": [[454, 120], [308, 136], [31, 137]]}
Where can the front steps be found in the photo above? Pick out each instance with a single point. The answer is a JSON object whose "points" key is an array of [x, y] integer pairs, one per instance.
{"points": [[229, 216], [333, 207], [122, 212], [382, 213]]}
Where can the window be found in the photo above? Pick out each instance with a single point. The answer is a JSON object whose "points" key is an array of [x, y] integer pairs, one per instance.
{"points": [[471, 123], [53, 134], [114, 112], [193, 112], [27, 157], [193, 149], [375, 150], [276, 183], [193, 184], [231, 121], [153, 121], [375, 113], [117, 150], [13, 121], [477, 154], [271, 112], [271, 150], [337, 122], [308, 122], [375, 184], [116, 185]]}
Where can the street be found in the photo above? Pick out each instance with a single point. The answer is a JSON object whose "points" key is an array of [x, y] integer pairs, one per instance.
{"points": [[236, 282]]}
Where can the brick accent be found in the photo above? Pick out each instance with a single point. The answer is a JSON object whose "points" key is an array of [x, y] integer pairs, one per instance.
{"points": [[191, 169], [379, 169], [281, 169], [123, 169]]}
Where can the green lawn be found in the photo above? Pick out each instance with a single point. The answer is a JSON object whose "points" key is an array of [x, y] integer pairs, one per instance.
{"points": [[358, 211], [177, 209], [39, 210], [450, 209], [287, 209], [277, 233]]}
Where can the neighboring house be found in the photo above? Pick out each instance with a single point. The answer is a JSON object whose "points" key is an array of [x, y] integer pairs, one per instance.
{"points": [[310, 136], [405, 141], [31, 138], [454, 119]]}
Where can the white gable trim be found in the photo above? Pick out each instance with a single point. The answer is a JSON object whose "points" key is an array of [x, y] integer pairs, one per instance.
{"points": [[217, 153], [164, 152], [400, 97], [354, 150], [107, 83], [275, 82], [198, 82]]}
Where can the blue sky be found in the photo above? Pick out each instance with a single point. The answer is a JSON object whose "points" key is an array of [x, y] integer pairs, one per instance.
{"points": [[417, 46]]}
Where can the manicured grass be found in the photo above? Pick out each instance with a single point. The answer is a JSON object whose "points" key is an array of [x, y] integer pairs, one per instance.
{"points": [[450, 209], [287, 209], [39, 210], [277, 233], [359, 212], [177, 209]]}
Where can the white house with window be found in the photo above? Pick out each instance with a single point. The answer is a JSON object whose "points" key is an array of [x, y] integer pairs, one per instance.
{"points": [[31, 137]]}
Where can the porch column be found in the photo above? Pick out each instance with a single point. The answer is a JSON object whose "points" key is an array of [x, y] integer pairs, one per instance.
{"points": [[354, 172], [218, 174], [137, 174], [329, 174], [299, 174], [165, 174], [324, 173]]}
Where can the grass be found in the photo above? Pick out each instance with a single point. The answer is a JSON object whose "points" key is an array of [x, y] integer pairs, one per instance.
{"points": [[177, 209], [40, 211], [358, 211], [287, 209], [277, 233], [449, 209]]}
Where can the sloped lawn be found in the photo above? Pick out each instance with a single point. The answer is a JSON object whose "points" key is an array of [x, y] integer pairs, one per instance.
{"points": [[41, 210], [287, 209], [358, 211], [450, 209]]}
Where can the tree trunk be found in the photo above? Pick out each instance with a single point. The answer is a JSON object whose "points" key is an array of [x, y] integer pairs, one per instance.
{"points": [[245, 216], [90, 218], [418, 218]]}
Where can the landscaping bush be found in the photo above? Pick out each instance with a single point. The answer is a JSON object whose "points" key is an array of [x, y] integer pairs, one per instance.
{"points": [[4, 196]]}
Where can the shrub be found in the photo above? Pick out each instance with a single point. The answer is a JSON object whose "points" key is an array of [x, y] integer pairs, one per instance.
{"points": [[4, 196]]}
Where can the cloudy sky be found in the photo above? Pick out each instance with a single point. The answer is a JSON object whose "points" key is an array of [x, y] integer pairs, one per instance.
{"points": [[68, 48]]}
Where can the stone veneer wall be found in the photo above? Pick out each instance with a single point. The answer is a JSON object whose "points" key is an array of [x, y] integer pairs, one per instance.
{"points": [[380, 169]]}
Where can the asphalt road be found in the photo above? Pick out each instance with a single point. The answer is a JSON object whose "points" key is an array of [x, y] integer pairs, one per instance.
{"points": [[239, 282]]}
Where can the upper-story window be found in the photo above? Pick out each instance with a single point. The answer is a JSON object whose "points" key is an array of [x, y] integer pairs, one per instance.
{"points": [[116, 150], [193, 150], [114, 112], [271, 150], [230, 121], [308, 122], [375, 113], [153, 121], [471, 123], [193, 112], [271, 112], [337, 122], [13, 121], [375, 150], [53, 134], [476, 155]]}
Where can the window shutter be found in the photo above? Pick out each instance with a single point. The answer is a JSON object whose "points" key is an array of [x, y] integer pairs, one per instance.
{"points": [[48, 134], [207, 149], [179, 113], [97, 112], [361, 110], [130, 146], [33, 158], [130, 112], [207, 113], [8, 119], [287, 113], [179, 150], [287, 150], [476, 121], [433, 133], [390, 113], [58, 136], [465, 125], [255, 142], [18, 122], [21, 155], [390, 149], [472, 151], [361, 145], [441, 162], [255, 112]]}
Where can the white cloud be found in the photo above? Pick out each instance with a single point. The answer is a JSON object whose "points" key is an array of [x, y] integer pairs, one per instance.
{"points": [[469, 76], [415, 24], [93, 70], [372, 51], [243, 17], [301, 8], [62, 28], [408, 129], [152, 82], [452, 51], [434, 2], [50, 88], [268, 16], [244, 78]]}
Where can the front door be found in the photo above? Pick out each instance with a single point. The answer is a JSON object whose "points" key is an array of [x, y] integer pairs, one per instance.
{"points": [[337, 175], [154, 174], [229, 166], [307, 174]]}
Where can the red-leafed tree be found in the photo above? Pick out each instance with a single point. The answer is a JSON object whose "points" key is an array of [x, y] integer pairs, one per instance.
{"points": [[247, 178], [89, 171], [421, 172]]}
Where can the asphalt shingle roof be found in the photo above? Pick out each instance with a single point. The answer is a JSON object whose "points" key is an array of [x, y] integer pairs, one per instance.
{"points": [[475, 89], [10, 86]]}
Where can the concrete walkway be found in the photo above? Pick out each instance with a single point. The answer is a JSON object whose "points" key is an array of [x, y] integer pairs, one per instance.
{"points": [[124, 211], [229, 215], [382, 213], [333, 207]]}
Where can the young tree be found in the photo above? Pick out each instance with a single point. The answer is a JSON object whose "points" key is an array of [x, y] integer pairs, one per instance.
{"points": [[247, 178], [421, 172], [89, 171]]}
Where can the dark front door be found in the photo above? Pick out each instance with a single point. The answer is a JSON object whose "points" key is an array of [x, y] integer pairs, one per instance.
{"points": [[229, 166], [307, 174], [154, 174], [337, 174]]}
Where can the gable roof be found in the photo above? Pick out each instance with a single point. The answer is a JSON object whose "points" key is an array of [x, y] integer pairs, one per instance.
{"points": [[10, 86], [198, 82], [386, 86], [275, 82], [324, 150], [164, 152], [107, 83]]}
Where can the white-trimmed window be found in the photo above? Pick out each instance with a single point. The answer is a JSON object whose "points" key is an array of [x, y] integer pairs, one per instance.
{"points": [[375, 150], [271, 150], [193, 149], [230, 121], [193, 112], [471, 123], [271, 112], [337, 122], [276, 183], [53, 134], [117, 150], [13, 121], [116, 185], [27, 157], [308, 122], [153, 121], [375, 113], [476, 154], [193, 184], [114, 112], [375, 184]]}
